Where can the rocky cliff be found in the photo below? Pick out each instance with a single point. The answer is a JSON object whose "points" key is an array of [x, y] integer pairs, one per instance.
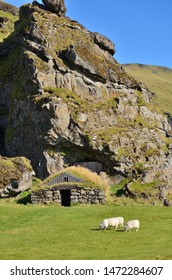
{"points": [[68, 100]]}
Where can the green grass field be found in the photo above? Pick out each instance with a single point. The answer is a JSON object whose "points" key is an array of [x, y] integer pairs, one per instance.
{"points": [[157, 79], [71, 233]]}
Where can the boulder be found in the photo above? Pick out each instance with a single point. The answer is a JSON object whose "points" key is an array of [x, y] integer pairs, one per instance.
{"points": [[55, 6], [103, 42], [16, 176]]}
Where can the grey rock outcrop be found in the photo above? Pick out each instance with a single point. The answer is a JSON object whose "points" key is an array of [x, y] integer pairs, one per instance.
{"points": [[55, 6], [104, 42], [17, 186], [73, 102], [15, 176]]}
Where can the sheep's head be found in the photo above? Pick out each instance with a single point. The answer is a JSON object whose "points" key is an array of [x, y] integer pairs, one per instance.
{"points": [[101, 227], [126, 228]]}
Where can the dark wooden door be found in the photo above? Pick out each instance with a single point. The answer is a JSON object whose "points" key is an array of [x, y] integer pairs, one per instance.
{"points": [[65, 197]]}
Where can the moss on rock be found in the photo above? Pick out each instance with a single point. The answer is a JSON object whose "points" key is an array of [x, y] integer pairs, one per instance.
{"points": [[12, 169]]}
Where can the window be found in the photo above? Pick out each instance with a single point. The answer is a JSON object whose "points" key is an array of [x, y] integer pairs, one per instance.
{"points": [[66, 179]]}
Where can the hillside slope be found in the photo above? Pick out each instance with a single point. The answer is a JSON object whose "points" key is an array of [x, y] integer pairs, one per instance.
{"points": [[8, 16], [158, 79]]}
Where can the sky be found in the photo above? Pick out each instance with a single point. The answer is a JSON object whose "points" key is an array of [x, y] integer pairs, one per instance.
{"points": [[140, 29]]}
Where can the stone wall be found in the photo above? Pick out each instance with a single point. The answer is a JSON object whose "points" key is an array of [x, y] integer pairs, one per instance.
{"points": [[77, 195]]}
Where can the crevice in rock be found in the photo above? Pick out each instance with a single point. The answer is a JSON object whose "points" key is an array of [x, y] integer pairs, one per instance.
{"points": [[38, 53]]}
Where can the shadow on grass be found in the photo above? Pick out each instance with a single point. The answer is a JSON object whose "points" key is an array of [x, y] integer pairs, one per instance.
{"points": [[97, 229], [24, 200]]}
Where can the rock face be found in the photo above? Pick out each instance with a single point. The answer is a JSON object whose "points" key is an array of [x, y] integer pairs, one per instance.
{"points": [[16, 176], [68, 100], [56, 6]]}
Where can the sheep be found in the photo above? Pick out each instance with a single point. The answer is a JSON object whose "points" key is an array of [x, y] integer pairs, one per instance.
{"points": [[112, 222], [132, 224]]}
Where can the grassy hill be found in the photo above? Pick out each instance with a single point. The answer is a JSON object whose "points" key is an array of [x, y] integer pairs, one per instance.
{"points": [[157, 79], [8, 16]]}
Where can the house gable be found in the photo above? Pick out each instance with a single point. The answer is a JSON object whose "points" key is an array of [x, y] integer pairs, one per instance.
{"points": [[63, 178]]}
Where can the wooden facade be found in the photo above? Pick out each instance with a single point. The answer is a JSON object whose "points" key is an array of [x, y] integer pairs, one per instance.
{"points": [[64, 178], [94, 166]]}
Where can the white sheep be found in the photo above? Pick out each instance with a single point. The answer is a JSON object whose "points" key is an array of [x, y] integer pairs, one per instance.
{"points": [[132, 224], [112, 222]]}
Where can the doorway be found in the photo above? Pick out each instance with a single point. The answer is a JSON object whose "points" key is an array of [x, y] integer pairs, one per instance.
{"points": [[65, 197]]}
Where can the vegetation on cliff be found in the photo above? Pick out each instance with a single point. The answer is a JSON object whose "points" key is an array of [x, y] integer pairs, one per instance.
{"points": [[8, 16], [12, 169]]}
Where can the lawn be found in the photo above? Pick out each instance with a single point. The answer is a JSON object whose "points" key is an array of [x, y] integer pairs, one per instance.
{"points": [[71, 233]]}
